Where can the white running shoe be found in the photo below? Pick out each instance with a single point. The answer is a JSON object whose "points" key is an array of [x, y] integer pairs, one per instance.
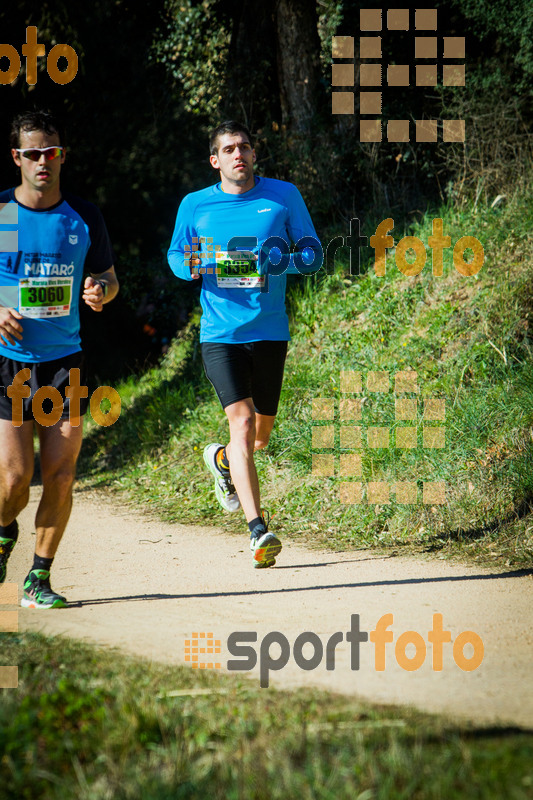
{"points": [[265, 548], [224, 489]]}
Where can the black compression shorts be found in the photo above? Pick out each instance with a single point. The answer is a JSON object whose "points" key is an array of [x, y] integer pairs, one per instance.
{"points": [[252, 369], [46, 373]]}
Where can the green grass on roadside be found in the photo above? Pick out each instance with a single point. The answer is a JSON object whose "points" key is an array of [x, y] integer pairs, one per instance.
{"points": [[467, 338], [97, 725]]}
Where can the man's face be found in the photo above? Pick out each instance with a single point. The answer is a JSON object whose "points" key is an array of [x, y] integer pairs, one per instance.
{"points": [[235, 159], [41, 175]]}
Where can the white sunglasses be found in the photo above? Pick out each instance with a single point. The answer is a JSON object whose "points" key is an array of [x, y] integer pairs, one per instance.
{"points": [[34, 153]]}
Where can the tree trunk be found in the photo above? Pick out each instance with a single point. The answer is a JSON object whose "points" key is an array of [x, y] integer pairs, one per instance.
{"points": [[253, 92], [298, 63]]}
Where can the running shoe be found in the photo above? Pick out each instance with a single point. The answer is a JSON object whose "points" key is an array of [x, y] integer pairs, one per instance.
{"points": [[265, 546], [224, 489], [6, 546], [38, 593]]}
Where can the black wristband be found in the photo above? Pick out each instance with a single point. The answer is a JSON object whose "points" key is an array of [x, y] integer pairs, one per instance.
{"points": [[105, 287]]}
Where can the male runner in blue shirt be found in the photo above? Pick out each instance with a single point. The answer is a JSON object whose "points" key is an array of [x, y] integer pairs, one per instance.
{"points": [[244, 329], [50, 240]]}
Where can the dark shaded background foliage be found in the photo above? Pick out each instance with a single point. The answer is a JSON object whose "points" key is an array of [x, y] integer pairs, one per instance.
{"points": [[155, 76]]}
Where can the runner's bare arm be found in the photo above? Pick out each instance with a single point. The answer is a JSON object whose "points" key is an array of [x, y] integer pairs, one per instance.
{"points": [[93, 292], [9, 326]]}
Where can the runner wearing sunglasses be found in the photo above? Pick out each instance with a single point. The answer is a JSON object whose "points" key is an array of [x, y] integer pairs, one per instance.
{"points": [[244, 329], [55, 239]]}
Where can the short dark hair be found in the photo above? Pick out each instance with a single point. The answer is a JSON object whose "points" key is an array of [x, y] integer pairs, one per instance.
{"points": [[35, 121], [229, 126]]}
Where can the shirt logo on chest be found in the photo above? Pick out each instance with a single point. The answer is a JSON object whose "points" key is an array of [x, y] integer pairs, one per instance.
{"points": [[73, 238]]}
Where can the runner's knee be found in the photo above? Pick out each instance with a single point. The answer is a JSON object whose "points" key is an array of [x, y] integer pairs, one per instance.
{"points": [[60, 480], [242, 427], [15, 491], [260, 444]]}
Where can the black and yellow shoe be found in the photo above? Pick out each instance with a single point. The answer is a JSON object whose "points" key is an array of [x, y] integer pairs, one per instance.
{"points": [[38, 593], [224, 489]]}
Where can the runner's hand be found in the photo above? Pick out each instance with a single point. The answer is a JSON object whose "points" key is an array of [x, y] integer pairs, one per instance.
{"points": [[93, 294], [195, 262], [9, 326]]}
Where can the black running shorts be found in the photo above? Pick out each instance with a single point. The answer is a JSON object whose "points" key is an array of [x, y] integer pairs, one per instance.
{"points": [[46, 373], [252, 369]]}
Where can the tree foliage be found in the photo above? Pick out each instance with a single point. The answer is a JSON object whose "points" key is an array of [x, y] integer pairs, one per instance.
{"points": [[502, 35], [154, 77], [194, 47]]}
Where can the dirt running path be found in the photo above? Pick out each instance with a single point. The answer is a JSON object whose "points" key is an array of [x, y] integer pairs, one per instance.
{"points": [[146, 586]]}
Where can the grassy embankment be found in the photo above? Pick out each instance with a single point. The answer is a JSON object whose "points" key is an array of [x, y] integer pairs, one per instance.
{"points": [[467, 338], [95, 725]]}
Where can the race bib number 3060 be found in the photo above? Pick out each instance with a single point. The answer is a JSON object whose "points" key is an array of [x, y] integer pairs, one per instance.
{"points": [[41, 298]]}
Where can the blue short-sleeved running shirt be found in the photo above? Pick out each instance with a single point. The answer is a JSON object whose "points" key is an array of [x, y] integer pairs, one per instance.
{"points": [[236, 309], [42, 275]]}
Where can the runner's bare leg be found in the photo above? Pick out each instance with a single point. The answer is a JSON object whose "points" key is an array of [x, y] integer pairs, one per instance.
{"points": [[263, 428], [16, 468], [240, 452], [249, 431], [60, 448]]}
